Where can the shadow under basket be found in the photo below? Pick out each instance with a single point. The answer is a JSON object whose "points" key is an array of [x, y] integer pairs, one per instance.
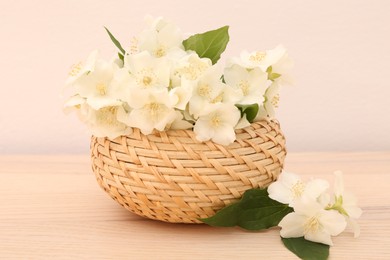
{"points": [[172, 177]]}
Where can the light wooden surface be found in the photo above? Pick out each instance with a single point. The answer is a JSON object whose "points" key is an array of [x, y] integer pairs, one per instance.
{"points": [[51, 207]]}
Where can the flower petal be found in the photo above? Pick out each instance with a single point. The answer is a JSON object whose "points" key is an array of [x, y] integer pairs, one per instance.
{"points": [[292, 225], [319, 237], [353, 211], [288, 178], [202, 131], [333, 222], [280, 192], [98, 102], [242, 123], [314, 189], [352, 224], [306, 208], [224, 135], [339, 183]]}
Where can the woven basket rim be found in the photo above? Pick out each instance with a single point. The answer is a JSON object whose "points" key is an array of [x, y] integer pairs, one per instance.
{"points": [[173, 132]]}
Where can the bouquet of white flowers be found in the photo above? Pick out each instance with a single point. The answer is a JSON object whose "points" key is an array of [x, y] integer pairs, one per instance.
{"points": [[163, 82]]}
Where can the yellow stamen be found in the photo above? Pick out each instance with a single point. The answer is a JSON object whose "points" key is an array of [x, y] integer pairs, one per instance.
{"points": [[218, 98], [204, 90], [312, 225], [160, 51], [147, 80], [75, 69], [154, 109], [244, 86], [275, 100], [101, 89], [215, 120], [134, 45], [297, 189], [146, 77], [107, 116], [193, 70], [257, 56]]}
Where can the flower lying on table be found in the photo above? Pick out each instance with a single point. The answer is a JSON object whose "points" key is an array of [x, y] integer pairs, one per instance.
{"points": [[163, 81], [307, 214]]}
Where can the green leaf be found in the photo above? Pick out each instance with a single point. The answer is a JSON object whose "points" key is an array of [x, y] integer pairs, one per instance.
{"points": [[210, 44], [255, 211], [305, 249], [116, 42], [250, 111], [223, 79], [272, 76], [121, 56]]}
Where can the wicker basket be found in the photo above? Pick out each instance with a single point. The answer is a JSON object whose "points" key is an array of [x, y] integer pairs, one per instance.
{"points": [[170, 176]]}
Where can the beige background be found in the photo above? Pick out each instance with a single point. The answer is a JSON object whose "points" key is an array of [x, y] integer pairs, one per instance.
{"points": [[341, 50]]}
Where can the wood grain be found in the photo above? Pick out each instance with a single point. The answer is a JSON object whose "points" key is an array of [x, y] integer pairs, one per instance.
{"points": [[51, 207]]}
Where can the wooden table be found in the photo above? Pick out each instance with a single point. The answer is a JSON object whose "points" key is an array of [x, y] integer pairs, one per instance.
{"points": [[51, 207]]}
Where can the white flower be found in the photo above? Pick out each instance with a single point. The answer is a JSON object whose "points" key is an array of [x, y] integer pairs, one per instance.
{"points": [[160, 38], [189, 67], [183, 95], [348, 201], [280, 70], [208, 89], [272, 99], [260, 59], [155, 112], [289, 188], [74, 102], [77, 104], [252, 83], [80, 69], [143, 74], [147, 70], [346, 204], [104, 122], [267, 108], [275, 62], [313, 222], [97, 87], [217, 123]]}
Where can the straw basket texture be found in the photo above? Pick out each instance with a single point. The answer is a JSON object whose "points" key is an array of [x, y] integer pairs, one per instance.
{"points": [[170, 176]]}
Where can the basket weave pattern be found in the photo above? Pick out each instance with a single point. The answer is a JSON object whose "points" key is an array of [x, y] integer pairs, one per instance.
{"points": [[170, 176]]}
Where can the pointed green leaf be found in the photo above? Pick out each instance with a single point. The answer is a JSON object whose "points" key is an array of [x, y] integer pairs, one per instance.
{"points": [[223, 79], [210, 44], [121, 57], [116, 42], [250, 111], [255, 211], [305, 249], [227, 217], [273, 76]]}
